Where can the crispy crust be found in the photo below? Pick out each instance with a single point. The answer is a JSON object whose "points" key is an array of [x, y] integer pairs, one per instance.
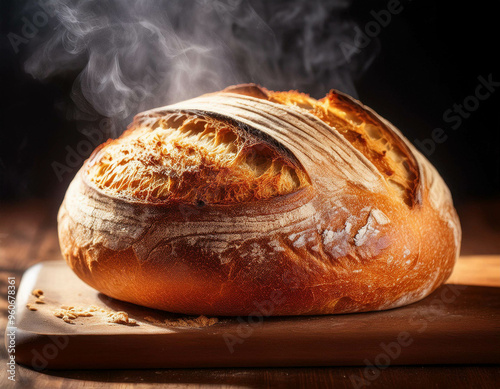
{"points": [[194, 159], [369, 225]]}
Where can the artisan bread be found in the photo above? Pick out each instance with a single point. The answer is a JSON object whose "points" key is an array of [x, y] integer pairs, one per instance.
{"points": [[248, 200]]}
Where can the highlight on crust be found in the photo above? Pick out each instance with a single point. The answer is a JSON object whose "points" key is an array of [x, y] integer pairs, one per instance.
{"points": [[366, 133], [193, 159], [201, 159]]}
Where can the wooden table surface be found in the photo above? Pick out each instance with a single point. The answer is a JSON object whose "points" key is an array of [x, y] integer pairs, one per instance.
{"points": [[28, 235]]}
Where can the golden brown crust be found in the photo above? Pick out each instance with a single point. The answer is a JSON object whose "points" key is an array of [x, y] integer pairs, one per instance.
{"points": [[193, 159], [367, 224]]}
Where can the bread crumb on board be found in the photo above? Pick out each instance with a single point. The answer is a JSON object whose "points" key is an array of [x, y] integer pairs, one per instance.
{"points": [[40, 298], [120, 318], [68, 313], [200, 321], [37, 292]]}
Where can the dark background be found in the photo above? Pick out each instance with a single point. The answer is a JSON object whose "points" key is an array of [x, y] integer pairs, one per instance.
{"points": [[430, 58]]}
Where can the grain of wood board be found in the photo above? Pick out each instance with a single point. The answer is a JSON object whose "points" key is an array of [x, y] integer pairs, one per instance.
{"points": [[481, 270]]}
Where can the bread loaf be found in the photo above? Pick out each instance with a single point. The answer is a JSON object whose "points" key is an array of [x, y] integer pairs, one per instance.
{"points": [[250, 200]]}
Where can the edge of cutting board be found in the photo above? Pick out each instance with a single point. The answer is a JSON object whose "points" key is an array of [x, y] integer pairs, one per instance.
{"points": [[457, 324]]}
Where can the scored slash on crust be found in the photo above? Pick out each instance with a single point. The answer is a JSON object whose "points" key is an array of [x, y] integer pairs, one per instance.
{"points": [[197, 158]]}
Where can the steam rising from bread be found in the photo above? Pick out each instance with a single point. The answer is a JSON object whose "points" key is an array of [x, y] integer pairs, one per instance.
{"points": [[135, 55]]}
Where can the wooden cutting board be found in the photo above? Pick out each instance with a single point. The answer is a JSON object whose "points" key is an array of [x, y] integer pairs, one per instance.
{"points": [[457, 324]]}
